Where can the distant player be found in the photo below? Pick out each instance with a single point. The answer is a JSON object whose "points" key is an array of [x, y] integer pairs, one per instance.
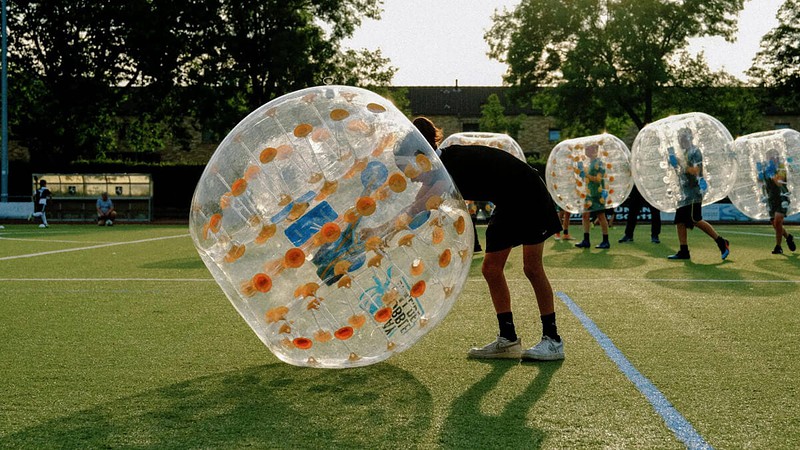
{"points": [[689, 213], [40, 199], [772, 177]]}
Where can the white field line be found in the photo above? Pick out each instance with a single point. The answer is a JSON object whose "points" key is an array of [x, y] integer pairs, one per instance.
{"points": [[91, 247], [47, 240]]}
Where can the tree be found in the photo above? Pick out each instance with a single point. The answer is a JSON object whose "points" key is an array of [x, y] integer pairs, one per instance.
{"points": [[494, 121], [777, 64], [602, 58], [76, 66], [266, 48]]}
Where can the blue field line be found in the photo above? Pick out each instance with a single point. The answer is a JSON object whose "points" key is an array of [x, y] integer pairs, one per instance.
{"points": [[678, 424]]}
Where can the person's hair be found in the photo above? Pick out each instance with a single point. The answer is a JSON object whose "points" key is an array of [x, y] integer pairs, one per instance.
{"points": [[432, 134], [42, 182]]}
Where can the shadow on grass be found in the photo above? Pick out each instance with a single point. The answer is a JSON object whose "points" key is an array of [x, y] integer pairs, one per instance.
{"points": [[272, 406], [715, 279], [599, 259], [787, 264], [181, 263], [468, 427]]}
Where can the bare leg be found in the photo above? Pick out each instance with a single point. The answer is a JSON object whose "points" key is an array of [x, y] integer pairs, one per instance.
{"points": [[603, 223], [493, 265], [780, 232], [586, 222], [534, 271], [707, 229]]}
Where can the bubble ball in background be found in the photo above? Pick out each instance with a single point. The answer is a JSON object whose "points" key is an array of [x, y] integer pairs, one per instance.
{"points": [[497, 140], [659, 160], [574, 162], [332, 227], [762, 156]]}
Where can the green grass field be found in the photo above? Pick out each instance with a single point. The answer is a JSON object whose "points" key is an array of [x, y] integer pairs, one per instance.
{"points": [[119, 337]]}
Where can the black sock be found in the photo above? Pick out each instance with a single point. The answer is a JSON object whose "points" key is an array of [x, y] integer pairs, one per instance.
{"points": [[605, 238], [586, 237], [506, 322], [684, 249], [720, 242], [549, 328], [566, 231]]}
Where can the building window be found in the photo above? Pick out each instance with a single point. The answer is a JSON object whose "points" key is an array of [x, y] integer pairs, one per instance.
{"points": [[554, 134], [470, 127], [781, 126]]}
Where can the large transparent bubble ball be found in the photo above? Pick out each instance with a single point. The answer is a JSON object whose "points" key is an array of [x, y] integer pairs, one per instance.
{"points": [[589, 173], [497, 140], [767, 160], [332, 227], [659, 161]]}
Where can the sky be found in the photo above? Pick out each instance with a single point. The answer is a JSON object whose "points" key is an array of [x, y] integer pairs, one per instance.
{"points": [[440, 42]]}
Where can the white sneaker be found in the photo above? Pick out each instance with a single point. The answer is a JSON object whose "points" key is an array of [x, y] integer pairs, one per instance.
{"points": [[41, 225], [501, 348], [546, 350]]}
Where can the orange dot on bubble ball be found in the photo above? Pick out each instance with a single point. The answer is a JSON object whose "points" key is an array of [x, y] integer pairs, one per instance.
{"points": [[262, 282], [339, 114], [417, 267], [383, 314], [365, 206], [322, 336], [418, 289], [330, 232], [214, 222], [302, 343], [375, 108], [238, 187], [294, 258], [251, 172], [357, 320], [444, 258], [611, 179], [267, 155], [460, 225], [343, 333], [303, 130], [397, 182]]}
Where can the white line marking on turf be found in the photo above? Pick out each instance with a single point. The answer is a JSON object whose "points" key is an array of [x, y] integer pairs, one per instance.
{"points": [[52, 252], [678, 424], [44, 240]]}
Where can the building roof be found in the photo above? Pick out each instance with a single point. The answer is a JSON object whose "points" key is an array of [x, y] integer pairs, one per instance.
{"points": [[460, 100]]}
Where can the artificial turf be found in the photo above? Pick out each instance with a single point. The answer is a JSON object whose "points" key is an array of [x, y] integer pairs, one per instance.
{"points": [[128, 342]]}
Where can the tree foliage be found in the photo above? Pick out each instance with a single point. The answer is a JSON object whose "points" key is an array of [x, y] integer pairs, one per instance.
{"points": [[493, 119], [602, 58], [777, 64], [77, 66]]}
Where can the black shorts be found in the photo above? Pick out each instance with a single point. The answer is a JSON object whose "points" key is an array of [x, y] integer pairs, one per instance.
{"points": [[689, 214], [517, 225]]}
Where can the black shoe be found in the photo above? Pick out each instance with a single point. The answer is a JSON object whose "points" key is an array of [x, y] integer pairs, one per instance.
{"points": [[604, 244], [679, 255], [777, 250], [583, 244], [626, 238], [790, 243], [655, 240]]}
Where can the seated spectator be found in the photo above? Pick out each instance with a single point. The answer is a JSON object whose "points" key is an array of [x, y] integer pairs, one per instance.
{"points": [[105, 211]]}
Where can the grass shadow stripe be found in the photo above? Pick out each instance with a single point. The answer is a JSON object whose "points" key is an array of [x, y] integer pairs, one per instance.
{"points": [[674, 420]]}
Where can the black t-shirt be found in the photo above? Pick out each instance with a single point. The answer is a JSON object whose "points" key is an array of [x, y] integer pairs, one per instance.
{"points": [[489, 174]]}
